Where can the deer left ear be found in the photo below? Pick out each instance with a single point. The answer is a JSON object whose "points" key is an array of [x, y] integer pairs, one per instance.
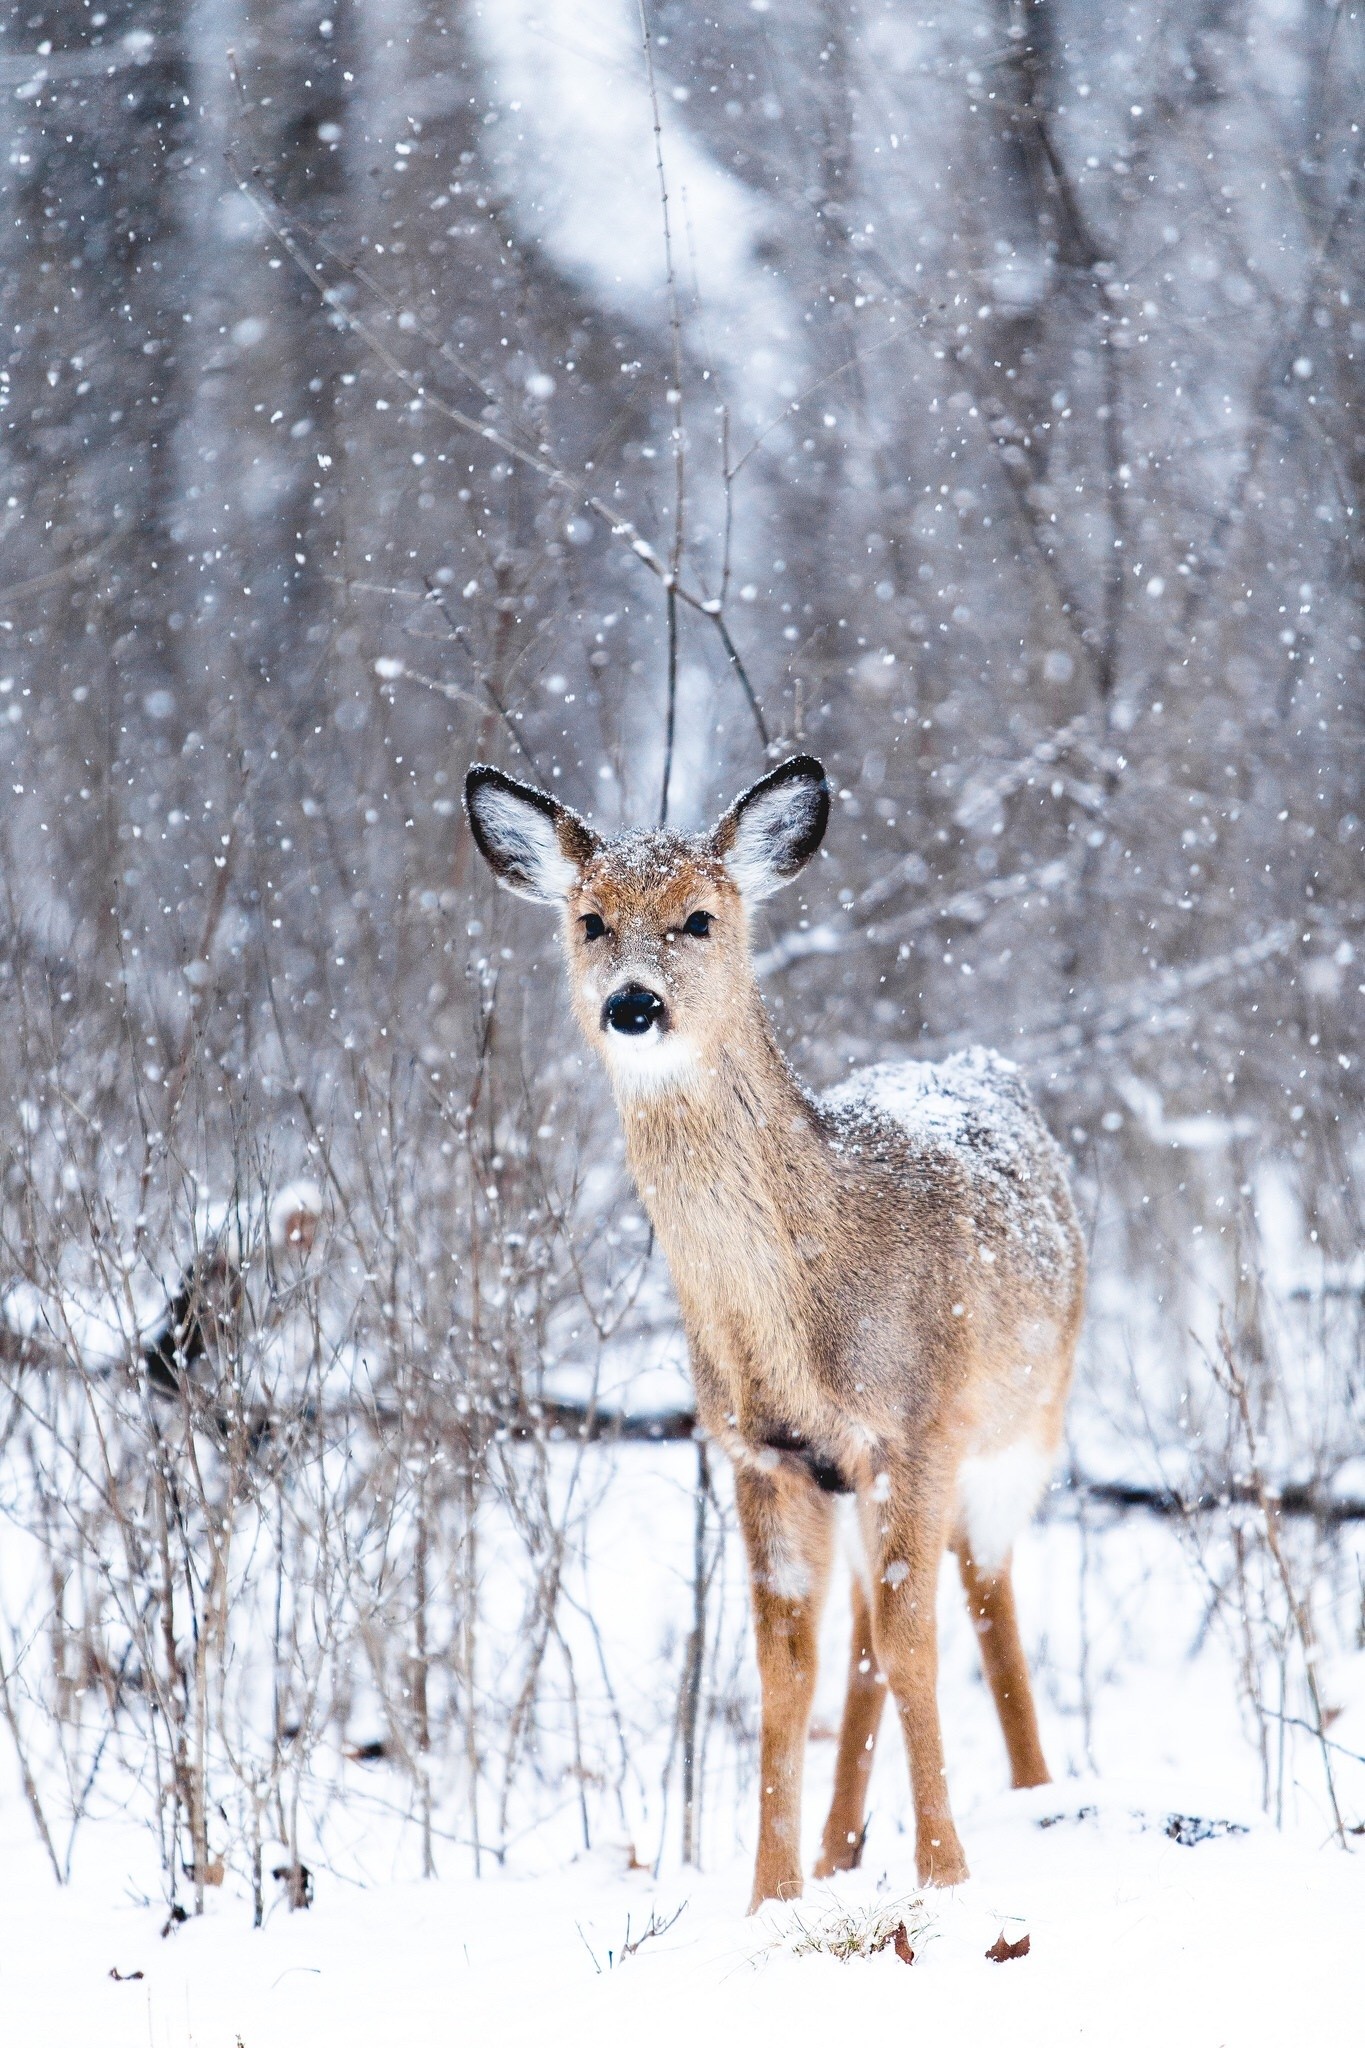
{"points": [[535, 846], [768, 834]]}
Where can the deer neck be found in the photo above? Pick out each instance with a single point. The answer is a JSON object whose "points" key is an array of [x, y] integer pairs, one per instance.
{"points": [[741, 1108], [738, 1183]]}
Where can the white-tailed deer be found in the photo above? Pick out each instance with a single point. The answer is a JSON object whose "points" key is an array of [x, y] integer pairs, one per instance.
{"points": [[881, 1286]]}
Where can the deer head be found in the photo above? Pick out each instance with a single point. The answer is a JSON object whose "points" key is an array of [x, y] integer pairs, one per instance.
{"points": [[654, 925]]}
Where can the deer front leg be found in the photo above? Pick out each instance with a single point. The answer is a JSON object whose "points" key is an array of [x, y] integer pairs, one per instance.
{"points": [[907, 1552], [788, 1530]]}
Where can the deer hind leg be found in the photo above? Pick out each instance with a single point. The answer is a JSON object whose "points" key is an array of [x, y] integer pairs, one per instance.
{"points": [[841, 1847], [788, 1529], [990, 1602], [909, 1543]]}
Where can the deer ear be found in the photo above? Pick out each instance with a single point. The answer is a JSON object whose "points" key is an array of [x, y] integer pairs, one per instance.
{"points": [[535, 846], [768, 834]]}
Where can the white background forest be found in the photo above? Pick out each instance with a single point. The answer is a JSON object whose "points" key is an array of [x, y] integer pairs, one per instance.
{"points": [[971, 396]]}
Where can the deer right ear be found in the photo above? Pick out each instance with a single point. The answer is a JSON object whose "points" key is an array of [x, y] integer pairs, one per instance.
{"points": [[535, 846], [768, 834]]}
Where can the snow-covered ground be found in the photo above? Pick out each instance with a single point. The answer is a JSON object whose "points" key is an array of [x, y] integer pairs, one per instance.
{"points": [[1134, 1938], [1237, 1937]]}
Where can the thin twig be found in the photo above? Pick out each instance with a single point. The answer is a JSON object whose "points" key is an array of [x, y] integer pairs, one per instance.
{"points": [[281, 224], [35, 1804], [675, 401], [671, 712], [457, 633], [1233, 1382]]}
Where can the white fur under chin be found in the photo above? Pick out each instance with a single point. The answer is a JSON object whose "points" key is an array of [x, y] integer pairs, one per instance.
{"points": [[651, 1063], [996, 1498]]}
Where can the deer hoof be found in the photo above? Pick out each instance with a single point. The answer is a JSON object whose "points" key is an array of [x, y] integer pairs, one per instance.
{"points": [[779, 1889], [943, 1865]]}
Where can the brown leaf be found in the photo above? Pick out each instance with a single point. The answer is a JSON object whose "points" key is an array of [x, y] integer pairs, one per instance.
{"points": [[1002, 1951], [900, 1941]]}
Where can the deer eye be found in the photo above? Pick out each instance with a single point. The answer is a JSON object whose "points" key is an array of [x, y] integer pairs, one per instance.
{"points": [[698, 925], [593, 927]]}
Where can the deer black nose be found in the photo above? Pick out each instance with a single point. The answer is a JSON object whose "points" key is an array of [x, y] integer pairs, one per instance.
{"points": [[632, 1010]]}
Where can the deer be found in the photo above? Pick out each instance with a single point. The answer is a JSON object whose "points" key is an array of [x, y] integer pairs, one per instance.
{"points": [[881, 1287]]}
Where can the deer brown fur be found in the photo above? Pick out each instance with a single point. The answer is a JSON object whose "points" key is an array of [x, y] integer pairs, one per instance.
{"points": [[881, 1287]]}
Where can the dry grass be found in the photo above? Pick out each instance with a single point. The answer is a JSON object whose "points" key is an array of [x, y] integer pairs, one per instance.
{"points": [[848, 1932]]}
